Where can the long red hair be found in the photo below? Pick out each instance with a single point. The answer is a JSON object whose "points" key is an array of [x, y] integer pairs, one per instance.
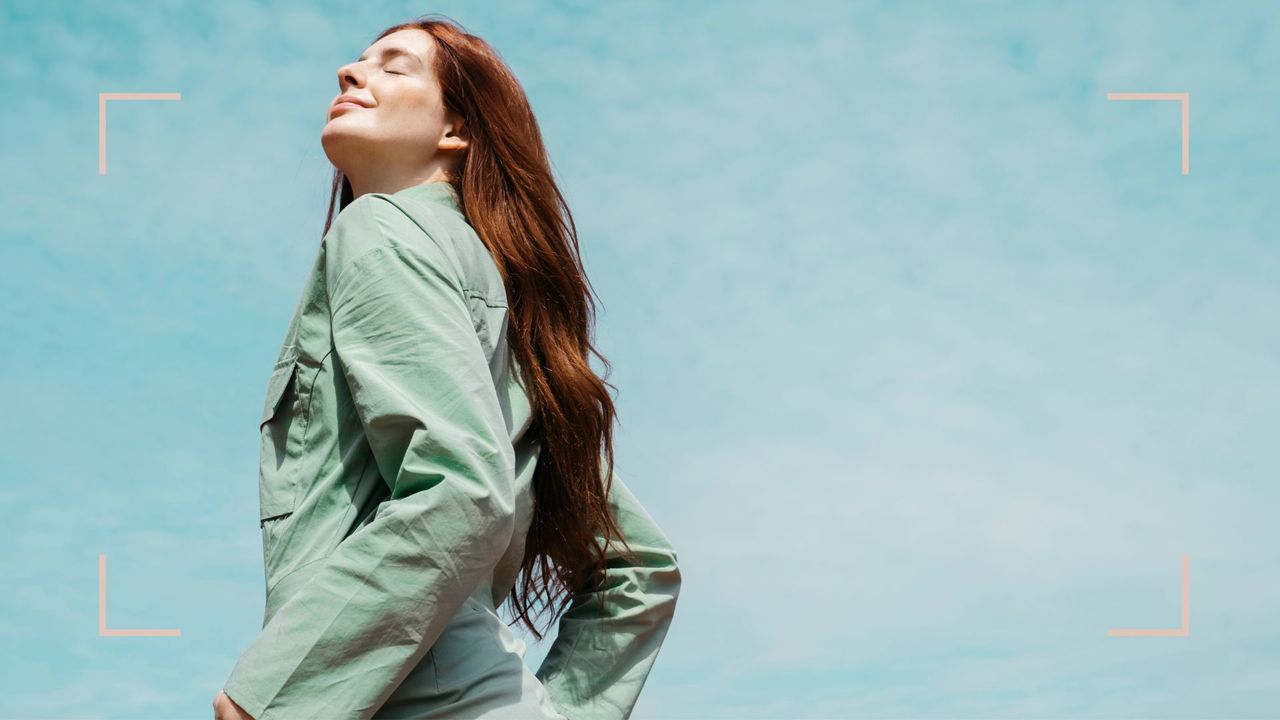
{"points": [[510, 197]]}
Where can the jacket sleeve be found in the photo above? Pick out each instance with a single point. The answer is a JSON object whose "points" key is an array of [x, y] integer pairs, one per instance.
{"points": [[420, 382], [601, 656]]}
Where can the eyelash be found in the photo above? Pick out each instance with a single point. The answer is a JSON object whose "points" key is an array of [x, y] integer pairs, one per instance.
{"points": [[393, 72]]}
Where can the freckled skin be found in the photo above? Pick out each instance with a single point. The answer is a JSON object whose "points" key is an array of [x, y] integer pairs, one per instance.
{"points": [[407, 136]]}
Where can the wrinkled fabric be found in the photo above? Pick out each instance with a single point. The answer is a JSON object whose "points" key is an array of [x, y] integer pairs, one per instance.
{"points": [[395, 498]]}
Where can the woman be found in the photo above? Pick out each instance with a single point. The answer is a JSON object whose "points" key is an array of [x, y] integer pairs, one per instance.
{"points": [[433, 430]]}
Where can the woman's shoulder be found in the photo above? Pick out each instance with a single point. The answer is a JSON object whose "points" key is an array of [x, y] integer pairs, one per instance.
{"points": [[448, 227], [377, 222], [433, 231]]}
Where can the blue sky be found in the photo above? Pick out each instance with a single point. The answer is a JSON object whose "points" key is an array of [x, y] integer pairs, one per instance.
{"points": [[930, 361]]}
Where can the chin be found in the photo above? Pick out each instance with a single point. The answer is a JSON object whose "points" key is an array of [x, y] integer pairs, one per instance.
{"points": [[340, 137], [341, 147]]}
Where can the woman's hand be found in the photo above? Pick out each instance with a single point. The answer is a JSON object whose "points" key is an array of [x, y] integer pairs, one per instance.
{"points": [[224, 708]]}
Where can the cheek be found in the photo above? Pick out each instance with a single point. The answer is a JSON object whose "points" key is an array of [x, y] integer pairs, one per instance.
{"points": [[412, 108], [403, 93]]}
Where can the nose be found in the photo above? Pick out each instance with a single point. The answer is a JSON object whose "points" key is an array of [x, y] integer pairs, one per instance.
{"points": [[347, 76]]}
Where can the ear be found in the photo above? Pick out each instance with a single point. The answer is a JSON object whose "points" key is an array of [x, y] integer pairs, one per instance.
{"points": [[455, 135]]}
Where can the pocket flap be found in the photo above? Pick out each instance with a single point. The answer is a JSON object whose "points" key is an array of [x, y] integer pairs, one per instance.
{"points": [[280, 378]]}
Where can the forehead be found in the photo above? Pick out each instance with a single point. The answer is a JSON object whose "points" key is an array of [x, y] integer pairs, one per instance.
{"points": [[408, 40]]}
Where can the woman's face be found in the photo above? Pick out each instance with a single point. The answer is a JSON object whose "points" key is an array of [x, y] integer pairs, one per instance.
{"points": [[398, 126]]}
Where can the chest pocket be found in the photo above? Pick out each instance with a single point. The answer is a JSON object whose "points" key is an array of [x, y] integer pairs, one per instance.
{"points": [[277, 471]]}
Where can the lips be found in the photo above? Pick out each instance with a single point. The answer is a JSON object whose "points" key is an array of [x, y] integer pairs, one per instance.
{"points": [[348, 101]]}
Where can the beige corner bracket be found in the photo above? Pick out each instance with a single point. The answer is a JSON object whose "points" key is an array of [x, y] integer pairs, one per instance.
{"points": [[1185, 98], [102, 118], [105, 631], [1183, 631]]}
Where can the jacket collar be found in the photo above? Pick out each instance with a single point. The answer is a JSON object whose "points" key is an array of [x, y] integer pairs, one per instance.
{"points": [[439, 192]]}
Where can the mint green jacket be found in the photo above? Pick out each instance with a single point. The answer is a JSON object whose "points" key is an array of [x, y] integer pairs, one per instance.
{"points": [[395, 498]]}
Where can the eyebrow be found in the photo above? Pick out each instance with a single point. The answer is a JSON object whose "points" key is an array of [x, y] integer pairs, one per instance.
{"points": [[391, 52]]}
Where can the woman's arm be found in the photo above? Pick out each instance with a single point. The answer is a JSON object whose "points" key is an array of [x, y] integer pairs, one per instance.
{"points": [[601, 657], [405, 342]]}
